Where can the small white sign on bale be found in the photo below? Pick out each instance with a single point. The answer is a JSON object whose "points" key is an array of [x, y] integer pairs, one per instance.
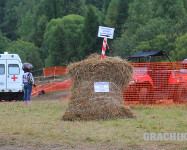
{"points": [[101, 86], [106, 32]]}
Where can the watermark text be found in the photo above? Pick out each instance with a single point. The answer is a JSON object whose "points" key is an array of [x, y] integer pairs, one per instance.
{"points": [[165, 136]]}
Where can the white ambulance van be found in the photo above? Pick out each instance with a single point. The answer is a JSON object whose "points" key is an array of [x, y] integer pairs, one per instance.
{"points": [[11, 84]]}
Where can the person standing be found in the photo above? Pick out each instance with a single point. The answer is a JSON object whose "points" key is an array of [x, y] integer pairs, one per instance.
{"points": [[28, 82]]}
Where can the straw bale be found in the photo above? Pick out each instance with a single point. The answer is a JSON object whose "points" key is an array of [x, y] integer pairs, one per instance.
{"points": [[85, 103]]}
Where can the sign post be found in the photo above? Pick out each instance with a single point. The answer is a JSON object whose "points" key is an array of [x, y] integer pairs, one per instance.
{"points": [[104, 48], [105, 32]]}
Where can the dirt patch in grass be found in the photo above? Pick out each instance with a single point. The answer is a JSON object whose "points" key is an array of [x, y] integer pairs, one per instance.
{"points": [[12, 145]]}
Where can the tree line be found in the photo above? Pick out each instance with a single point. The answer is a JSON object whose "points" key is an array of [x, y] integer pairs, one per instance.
{"points": [[50, 33]]}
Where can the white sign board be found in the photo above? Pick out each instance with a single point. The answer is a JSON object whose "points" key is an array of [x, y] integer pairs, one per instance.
{"points": [[106, 32], [101, 86]]}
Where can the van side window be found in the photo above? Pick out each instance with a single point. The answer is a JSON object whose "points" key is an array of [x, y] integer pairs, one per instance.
{"points": [[2, 69], [13, 69]]}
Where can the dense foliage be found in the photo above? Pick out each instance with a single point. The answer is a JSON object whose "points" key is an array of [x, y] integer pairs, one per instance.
{"points": [[55, 32]]}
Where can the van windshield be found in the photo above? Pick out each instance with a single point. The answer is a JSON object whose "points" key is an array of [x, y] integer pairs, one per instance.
{"points": [[2, 69], [13, 69]]}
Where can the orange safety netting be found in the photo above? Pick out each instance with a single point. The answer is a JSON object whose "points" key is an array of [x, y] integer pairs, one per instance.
{"points": [[54, 86], [160, 83], [54, 71]]}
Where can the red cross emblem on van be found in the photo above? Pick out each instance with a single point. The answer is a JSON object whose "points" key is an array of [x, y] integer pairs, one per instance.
{"points": [[14, 78]]}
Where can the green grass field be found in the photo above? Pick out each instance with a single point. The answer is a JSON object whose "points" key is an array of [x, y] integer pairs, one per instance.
{"points": [[40, 125]]}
